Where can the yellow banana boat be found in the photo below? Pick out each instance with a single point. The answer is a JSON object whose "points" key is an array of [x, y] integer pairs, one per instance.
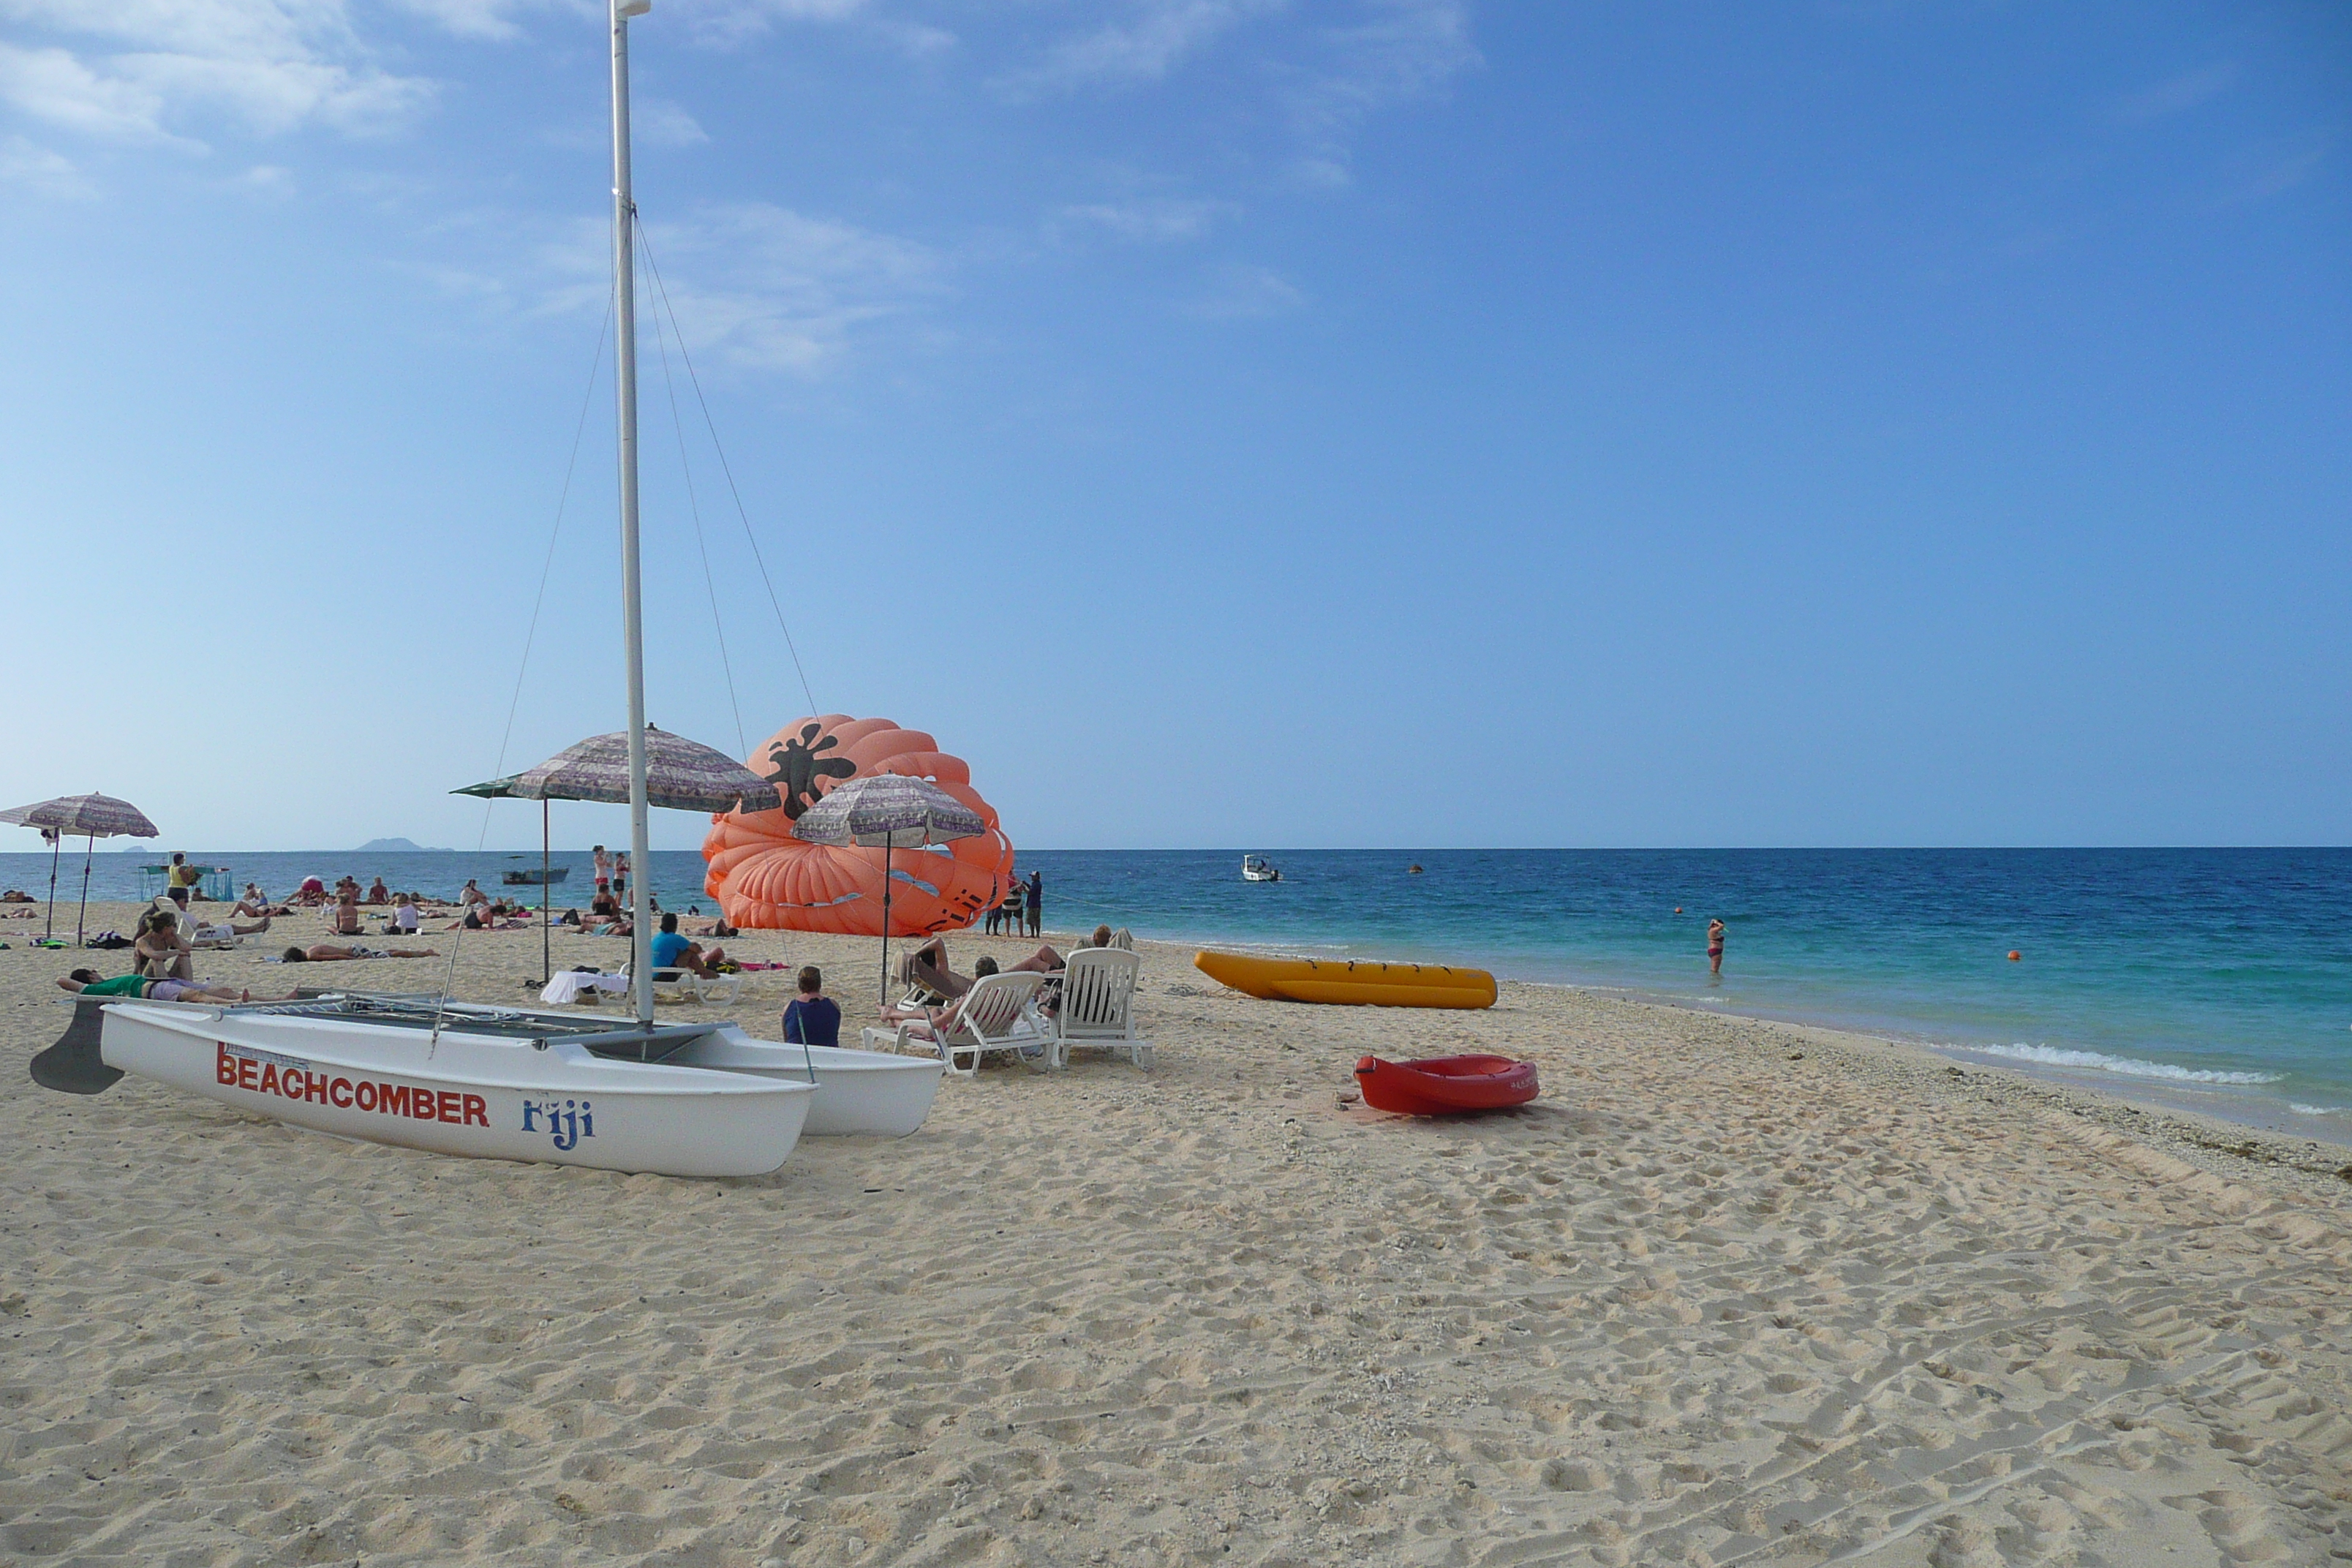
{"points": [[1362, 984]]}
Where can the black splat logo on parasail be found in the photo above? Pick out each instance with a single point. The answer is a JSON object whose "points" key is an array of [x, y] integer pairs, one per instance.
{"points": [[799, 767]]}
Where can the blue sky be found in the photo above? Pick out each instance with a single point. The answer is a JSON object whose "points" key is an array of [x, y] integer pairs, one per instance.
{"points": [[1244, 423]]}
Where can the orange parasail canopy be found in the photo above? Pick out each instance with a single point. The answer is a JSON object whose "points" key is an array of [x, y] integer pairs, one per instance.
{"points": [[766, 879]]}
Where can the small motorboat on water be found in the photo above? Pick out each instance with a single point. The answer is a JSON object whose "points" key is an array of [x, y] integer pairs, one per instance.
{"points": [[536, 879], [1258, 868], [502, 1083], [1446, 1086]]}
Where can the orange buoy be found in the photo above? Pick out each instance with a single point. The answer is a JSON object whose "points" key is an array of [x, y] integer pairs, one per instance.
{"points": [[1678, 908], [2015, 956]]}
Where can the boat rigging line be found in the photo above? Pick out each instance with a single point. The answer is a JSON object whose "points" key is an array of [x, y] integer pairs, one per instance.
{"points": [[661, 290], [514, 702], [693, 509]]}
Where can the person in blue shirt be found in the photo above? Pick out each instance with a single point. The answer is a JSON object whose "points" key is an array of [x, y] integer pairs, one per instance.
{"points": [[811, 1018], [672, 950]]}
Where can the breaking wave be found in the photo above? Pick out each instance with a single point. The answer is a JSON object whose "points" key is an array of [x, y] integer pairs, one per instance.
{"points": [[2124, 1067]]}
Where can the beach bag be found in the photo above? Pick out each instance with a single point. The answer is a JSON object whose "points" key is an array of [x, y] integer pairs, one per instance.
{"points": [[108, 939]]}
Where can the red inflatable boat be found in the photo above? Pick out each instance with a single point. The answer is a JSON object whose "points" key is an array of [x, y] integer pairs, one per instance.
{"points": [[1446, 1086]]}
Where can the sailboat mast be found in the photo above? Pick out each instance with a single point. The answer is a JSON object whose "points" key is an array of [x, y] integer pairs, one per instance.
{"points": [[624, 291]]}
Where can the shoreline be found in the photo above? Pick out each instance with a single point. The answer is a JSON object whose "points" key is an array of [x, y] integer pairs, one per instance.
{"points": [[2272, 1118]]}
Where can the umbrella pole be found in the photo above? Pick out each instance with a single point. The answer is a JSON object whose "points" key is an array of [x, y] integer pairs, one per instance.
{"points": [[885, 921], [546, 964], [49, 923], [87, 848]]}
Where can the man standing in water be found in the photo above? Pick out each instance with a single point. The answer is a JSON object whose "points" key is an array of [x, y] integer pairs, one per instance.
{"points": [[1715, 948]]}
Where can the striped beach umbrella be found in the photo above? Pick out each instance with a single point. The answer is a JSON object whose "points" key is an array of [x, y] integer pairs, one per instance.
{"points": [[89, 816], [887, 811]]}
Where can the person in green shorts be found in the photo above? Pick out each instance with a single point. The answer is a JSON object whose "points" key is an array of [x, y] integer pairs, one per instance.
{"points": [[133, 987]]}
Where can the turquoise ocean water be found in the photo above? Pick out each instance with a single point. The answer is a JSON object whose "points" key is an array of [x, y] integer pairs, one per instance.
{"points": [[2220, 979]]}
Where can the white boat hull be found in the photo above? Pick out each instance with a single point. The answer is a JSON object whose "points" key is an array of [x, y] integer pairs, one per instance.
{"points": [[872, 1093], [486, 1097]]}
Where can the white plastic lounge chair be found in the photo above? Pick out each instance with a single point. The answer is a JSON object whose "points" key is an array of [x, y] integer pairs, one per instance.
{"points": [[684, 984], [1123, 939], [1098, 1005], [996, 1014]]}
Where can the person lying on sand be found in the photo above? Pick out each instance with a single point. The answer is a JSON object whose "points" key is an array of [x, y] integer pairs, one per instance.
{"points": [[328, 952], [15, 896], [254, 904], [135, 987]]}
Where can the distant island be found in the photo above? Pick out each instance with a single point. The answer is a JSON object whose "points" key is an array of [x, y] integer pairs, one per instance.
{"points": [[397, 846]]}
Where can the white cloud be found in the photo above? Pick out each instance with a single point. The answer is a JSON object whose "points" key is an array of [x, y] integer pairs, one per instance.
{"points": [[2179, 94], [1160, 219], [2285, 170], [128, 71], [270, 180], [658, 122], [481, 19], [728, 22], [1331, 75], [42, 171], [1240, 292], [1153, 39], [1403, 50], [759, 286]]}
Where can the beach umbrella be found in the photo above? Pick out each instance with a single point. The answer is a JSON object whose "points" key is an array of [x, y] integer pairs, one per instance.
{"points": [[887, 811], [90, 816], [679, 774], [503, 789]]}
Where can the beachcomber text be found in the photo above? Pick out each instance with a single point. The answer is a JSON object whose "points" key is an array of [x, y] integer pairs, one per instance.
{"points": [[298, 1082]]}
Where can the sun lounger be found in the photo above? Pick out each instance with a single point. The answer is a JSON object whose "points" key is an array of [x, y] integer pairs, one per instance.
{"points": [[680, 984], [1097, 1009], [996, 1014]]}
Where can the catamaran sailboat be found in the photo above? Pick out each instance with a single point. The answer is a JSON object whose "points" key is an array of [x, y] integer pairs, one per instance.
{"points": [[508, 1083]]}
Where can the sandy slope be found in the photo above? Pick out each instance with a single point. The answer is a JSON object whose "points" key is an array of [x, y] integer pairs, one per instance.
{"points": [[1731, 1293]]}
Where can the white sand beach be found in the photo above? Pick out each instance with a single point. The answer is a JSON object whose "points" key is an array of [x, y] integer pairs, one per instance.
{"points": [[1730, 1292]]}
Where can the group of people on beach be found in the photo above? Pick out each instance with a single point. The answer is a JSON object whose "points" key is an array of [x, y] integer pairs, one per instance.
{"points": [[1023, 907], [937, 992]]}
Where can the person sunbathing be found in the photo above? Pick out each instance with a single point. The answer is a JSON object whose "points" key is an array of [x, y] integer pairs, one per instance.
{"points": [[927, 967], [377, 894], [329, 952], [343, 919], [135, 987], [932, 1022], [15, 896], [471, 894], [255, 904]]}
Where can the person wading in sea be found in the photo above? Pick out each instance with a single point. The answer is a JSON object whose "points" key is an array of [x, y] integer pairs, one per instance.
{"points": [[1715, 948]]}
